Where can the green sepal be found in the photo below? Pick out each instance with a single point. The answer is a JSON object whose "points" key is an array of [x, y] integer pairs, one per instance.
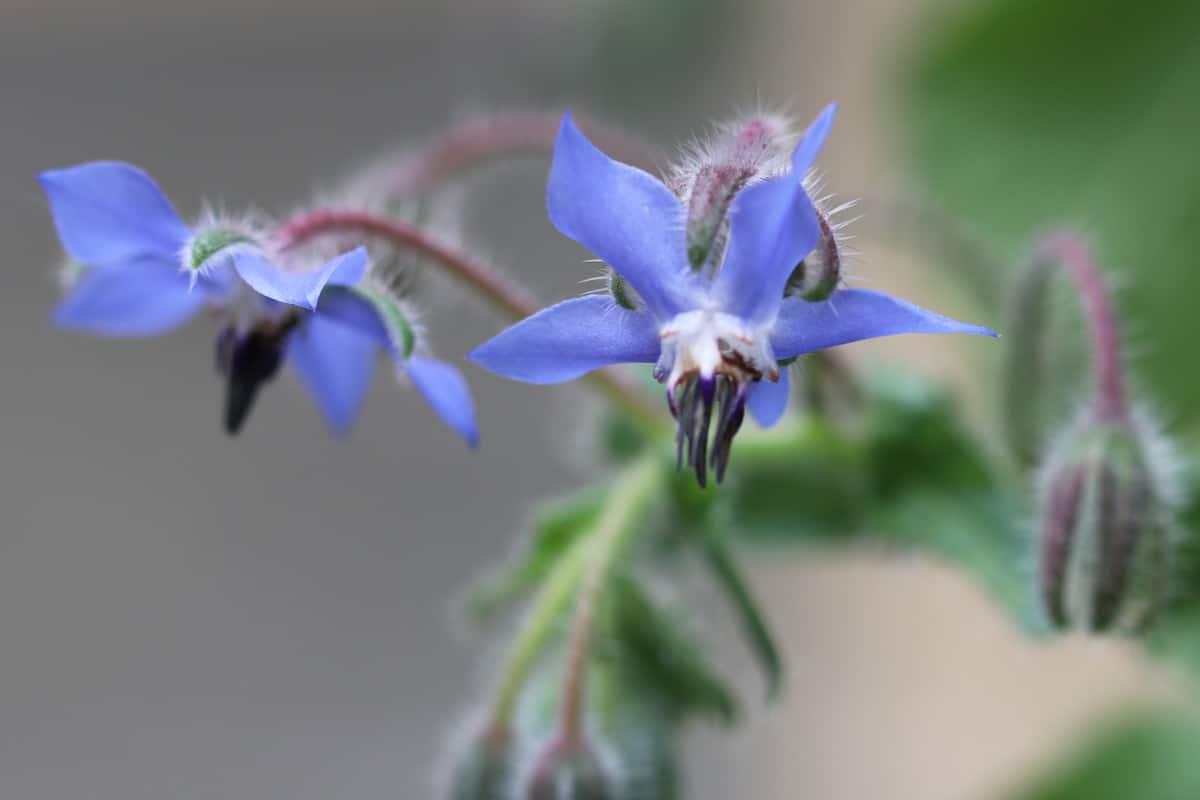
{"points": [[208, 243], [389, 308]]}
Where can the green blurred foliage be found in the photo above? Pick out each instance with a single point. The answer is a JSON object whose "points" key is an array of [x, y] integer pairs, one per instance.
{"points": [[653, 648], [1027, 114], [1145, 758]]}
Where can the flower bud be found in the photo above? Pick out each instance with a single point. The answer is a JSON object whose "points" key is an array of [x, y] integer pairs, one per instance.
{"points": [[819, 274], [710, 180], [1103, 548], [483, 772], [567, 770]]}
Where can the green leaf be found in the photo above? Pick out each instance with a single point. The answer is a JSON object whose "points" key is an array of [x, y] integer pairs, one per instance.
{"points": [[1147, 758], [725, 570], [1028, 114], [915, 440], [555, 528], [660, 660], [808, 482]]}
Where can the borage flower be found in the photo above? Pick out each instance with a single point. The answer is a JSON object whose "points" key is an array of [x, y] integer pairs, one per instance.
{"points": [[715, 334], [143, 272]]}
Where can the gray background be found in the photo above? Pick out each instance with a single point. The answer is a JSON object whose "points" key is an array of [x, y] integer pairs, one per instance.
{"points": [[187, 616]]}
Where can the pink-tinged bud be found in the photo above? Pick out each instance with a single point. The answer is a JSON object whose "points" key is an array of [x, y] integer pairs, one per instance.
{"points": [[567, 770], [717, 171], [820, 273], [1104, 541], [484, 769]]}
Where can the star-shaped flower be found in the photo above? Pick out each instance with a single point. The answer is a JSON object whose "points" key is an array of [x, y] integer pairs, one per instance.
{"points": [[716, 338], [144, 272]]}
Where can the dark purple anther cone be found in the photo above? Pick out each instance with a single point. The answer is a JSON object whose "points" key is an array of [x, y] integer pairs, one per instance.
{"points": [[247, 363], [692, 403]]}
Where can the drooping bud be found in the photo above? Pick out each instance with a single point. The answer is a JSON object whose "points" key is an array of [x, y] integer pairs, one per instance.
{"points": [[567, 770], [1104, 530], [484, 770], [248, 361]]}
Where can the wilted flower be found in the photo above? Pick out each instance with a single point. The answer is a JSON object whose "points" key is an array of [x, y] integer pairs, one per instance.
{"points": [[715, 329], [145, 273]]}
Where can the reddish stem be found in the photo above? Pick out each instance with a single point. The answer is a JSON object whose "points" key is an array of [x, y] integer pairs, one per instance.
{"points": [[579, 645], [1070, 251], [515, 302], [498, 136]]}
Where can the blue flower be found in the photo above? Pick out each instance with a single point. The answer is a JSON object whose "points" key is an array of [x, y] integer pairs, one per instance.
{"points": [[716, 339], [144, 272]]}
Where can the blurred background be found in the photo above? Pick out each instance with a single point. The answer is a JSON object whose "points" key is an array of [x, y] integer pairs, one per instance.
{"points": [[190, 616]]}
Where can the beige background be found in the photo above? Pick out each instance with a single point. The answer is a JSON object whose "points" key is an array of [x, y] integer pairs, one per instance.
{"points": [[191, 617]]}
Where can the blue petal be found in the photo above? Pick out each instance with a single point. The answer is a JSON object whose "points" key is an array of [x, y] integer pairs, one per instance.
{"points": [[335, 363], [299, 288], [355, 311], [851, 315], [139, 299], [108, 213], [628, 218], [445, 389], [772, 227], [567, 340], [767, 401], [813, 140]]}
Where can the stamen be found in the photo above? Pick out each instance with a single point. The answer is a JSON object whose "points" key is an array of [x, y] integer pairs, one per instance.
{"points": [[692, 402]]}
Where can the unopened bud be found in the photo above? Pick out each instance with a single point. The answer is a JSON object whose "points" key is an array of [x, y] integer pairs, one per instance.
{"points": [[483, 771], [818, 275], [719, 169], [1103, 548], [567, 770]]}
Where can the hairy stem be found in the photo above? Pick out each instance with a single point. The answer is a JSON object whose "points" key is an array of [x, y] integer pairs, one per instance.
{"points": [[490, 138], [510, 300], [590, 561], [1072, 253]]}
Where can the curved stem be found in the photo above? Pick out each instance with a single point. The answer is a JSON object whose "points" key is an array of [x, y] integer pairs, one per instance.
{"points": [[1070, 251], [510, 300], [1024, 372], [484, 281], [485, 139]]}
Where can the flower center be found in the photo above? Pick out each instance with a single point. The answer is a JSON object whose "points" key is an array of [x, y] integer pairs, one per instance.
{"points": [[709, 360]]}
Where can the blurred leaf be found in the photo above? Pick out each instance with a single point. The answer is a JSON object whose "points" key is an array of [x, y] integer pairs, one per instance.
{"points": [[1149, 758], [1033, 113], [979, 532], [812, 484], [729, 579], [915, 440], [555, 528], [657, 655]]}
